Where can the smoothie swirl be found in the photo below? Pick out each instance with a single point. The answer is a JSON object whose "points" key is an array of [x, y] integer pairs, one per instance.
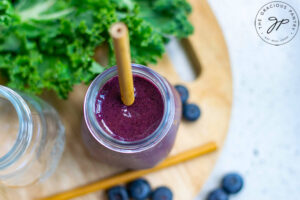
{"points": [[129, 123]]}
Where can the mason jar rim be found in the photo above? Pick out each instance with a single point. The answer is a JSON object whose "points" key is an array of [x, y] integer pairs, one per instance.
{"points": [[24, 135], [114, 144]]}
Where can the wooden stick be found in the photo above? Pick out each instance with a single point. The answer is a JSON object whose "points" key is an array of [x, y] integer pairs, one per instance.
{"points": [[119, 34], [131, 175]]}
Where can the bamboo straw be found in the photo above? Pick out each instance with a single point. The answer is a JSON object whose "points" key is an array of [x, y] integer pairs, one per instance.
{"points": [[131, 175], [119, 34]]}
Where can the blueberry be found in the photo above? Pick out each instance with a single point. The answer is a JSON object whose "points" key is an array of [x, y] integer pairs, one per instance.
{"points": [[117, 193], [217, 194], [232, 183], [191, 112], [183, 93], [162, 193], [139, 189]]}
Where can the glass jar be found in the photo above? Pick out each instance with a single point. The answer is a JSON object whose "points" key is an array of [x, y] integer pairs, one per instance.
{"points": [[144, 153], [31, 138]]}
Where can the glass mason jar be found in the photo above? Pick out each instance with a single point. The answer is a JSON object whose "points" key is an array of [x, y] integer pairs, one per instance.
{"points": [[146, 152], [31, 138]]}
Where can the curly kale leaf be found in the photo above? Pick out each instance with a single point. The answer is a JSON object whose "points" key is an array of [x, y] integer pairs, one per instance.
{"points": [[49, 44], [168, 17]]}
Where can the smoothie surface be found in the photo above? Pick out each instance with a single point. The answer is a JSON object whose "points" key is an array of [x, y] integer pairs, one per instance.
{"points": [[129, 123]]}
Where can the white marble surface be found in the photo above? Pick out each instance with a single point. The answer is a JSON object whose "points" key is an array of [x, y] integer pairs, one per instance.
{"points": [[263, 142]]}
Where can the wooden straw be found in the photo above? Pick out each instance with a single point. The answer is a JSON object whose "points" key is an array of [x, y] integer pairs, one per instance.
{"points": [[119, 34], [131, 175]]}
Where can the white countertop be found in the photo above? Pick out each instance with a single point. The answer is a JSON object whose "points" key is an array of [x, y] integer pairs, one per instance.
{"points": [[263, 142]]}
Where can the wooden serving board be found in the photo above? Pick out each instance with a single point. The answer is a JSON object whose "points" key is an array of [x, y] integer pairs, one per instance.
{"points": [[212, 91]]}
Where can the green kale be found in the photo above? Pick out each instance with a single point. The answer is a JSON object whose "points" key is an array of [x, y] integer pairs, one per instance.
{"points": [[49, 44]]}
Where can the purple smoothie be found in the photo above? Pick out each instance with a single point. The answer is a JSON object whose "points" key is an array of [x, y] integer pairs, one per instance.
{"points": [[137, 136], [129, 123]]}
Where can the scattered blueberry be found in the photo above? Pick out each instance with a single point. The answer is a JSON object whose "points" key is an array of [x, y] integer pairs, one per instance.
{"points": [[139, 189], [232, 183], [183, 92], [217, 194], [117, 193], [162, 193], [191, 112]]}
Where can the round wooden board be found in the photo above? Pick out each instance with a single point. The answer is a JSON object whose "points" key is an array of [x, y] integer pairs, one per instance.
{"points": [[212, 91]]}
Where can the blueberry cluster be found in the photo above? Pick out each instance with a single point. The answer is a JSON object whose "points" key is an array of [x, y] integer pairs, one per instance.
{"points": [[139, 189], [190, 111], [231, 183]]}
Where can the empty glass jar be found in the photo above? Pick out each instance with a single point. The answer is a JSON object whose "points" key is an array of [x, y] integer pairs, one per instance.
{"points": [[31, 138]]}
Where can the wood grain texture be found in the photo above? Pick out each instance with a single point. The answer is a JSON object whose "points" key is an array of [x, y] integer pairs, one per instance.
{"points": [[106, 183], [212, 90]]}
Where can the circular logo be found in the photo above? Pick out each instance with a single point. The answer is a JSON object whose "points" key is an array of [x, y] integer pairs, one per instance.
{"points": [[277, 23]]}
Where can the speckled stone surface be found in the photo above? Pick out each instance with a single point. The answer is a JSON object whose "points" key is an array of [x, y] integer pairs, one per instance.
{"points": [[263, 142]]}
